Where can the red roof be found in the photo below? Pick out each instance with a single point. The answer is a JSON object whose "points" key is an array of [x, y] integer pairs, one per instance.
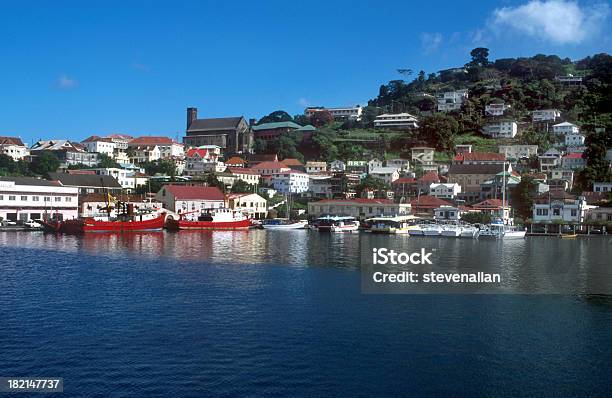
{"points": [[290, 172], [358, 200], [88, 172], [430, 176], [573, 156], [11, 141], [270, 165], [428, 202], [292, 162], [404, 180], [480, 156], [150, 140], [488, 204], [241, 170], [194, 192], [235, 160], [200, 152]]}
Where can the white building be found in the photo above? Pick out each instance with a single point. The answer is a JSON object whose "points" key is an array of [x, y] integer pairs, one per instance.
{"points": [[249, 203], [447, 213], [501, 129], [100, 145], [337, 166], [422, 155], [403, 165], [245, 174], [128, 179], [290, 181], [566, 128], [13, 147], [145, 153], [602, 187], [24, 199], [574, 139], [313, 167], [190, 198], [516, 152], [350, 113], [387, 174], [398, 121], [374, 164], [167, 147], [451, 100], [549, 160], [198, 161], [361, 208], [545, 115], [496, 109], [444, 191], [320, 186], [558, 206]]}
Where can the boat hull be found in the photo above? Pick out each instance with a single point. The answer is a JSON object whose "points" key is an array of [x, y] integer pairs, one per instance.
{"points": [[175, 225], [91, 225]]}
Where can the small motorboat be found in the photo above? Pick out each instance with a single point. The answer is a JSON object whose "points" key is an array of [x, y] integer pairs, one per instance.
{"points": [[283, 224]]}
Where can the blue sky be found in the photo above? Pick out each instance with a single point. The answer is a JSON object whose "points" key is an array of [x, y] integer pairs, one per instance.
{"points": [[70, 71]]}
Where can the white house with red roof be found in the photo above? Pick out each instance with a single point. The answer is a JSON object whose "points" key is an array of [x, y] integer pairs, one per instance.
{"points": [[99, 144], [358, 207], [250, 203], [245, 174], [573, 161], [190, 198], [268, 168], [13, 147], [290, 181], [199, 161], [168, 148]]}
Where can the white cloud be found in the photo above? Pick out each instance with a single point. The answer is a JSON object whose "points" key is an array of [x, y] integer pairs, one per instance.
{"points": [[431, 42], [66, 83], [303, 102], [557, 21]]}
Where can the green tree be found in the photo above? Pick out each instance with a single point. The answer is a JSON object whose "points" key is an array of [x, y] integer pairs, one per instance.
{"points": [[44, 163], [260, 146], [372, 184], [476, 218], [162, 167], [480, 57], [241, 186], [106, 161], [439, 131], [276, 116], [321, 118], [522, 197]]}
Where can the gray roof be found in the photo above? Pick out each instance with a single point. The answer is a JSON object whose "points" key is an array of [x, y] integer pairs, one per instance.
{"points": [[30, 181], [85, 180], [475, 169], [220, 123]]}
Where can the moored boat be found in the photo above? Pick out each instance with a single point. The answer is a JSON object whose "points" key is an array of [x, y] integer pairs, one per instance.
{"points": [[431, 230], [283, 224], [470, 232], [393, 225], [451, 230], [497, 229], [130, 224], [226, 219], [336, 224]]}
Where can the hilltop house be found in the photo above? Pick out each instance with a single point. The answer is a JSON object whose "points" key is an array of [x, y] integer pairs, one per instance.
{"points": [[271, 131], [346, 113], [480, 158], [13, 147], [422, 155], [231, 134], [398, 121], [573, 161], [501, 129], [444, 190], [387, 174], [198, 161], [168, 149], [549, 160], [565, 128], [337, 166], [313, 167], [496, 109], [247, 175], [451, 100], [545, 115], [574, 139], [68, 153], [516, 152], [100, 145], [402, 165]]}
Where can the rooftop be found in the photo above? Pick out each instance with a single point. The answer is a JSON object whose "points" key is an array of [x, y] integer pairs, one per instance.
{"points": [[276, 125], [194, 192], [212, 124]]}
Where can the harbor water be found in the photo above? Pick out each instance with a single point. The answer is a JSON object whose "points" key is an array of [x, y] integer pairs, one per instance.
{"points": [[222, 313]]}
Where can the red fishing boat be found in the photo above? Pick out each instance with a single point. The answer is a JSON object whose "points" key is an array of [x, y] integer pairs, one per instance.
{"points": [[127, 224], [215, 219]]}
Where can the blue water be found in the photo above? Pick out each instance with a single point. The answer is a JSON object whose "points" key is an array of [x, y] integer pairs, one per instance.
{"points": [[133, 317]]}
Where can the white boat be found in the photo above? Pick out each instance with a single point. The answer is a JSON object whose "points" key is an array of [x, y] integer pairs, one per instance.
{"points": [[283, 224], [416, 231], [470, 232], [393, 225], [431, 230], [498, 230], [337, 224], [451, 230]]}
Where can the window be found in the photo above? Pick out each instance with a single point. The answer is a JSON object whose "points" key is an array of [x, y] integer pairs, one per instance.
{"points": [[11, 197], [1, 197], [68, 199], [58, 199], [574, 212], [35, 198], [24, 198], [47, 199]]}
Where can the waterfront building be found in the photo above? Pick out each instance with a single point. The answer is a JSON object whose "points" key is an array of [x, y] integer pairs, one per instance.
{"points": [[344, 184], [494, 187], [13, 147], [360, 208], [231, 134], [501, 129], [422, 155], [448, 213], [398, 121], [565, 128], [599, 215], [427, 204], [451, 100], [545, 115], [249, 203], [445, 190], [516, 152], [128, 179], [271, 131], [69, 153], [558, 206], [404, 187], [290, 181], [88, 183], [313, 167], [24, 199], [493, 207], [190, 198], [342, 113]]}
